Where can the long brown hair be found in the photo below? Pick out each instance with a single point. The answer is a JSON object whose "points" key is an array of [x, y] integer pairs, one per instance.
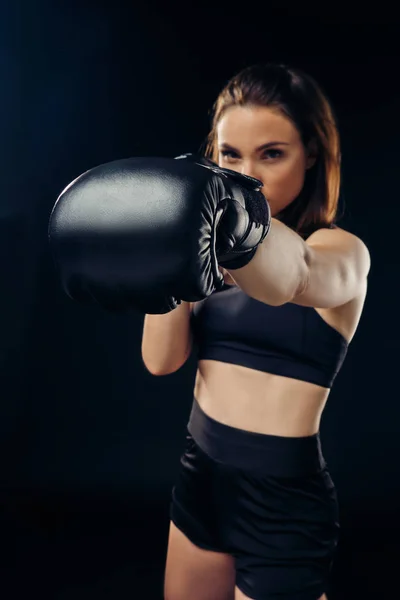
{"points": [[298, 96]]}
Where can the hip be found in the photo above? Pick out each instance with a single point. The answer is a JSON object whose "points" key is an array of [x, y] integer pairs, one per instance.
{"points": [[240, 477], [265, 454]]}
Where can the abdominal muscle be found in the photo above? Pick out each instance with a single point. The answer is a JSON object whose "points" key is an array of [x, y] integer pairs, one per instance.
{"points": [[259, 402]]}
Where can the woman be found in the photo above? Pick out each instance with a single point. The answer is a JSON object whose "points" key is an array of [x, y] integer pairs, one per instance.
{"points": [[254, 511]]}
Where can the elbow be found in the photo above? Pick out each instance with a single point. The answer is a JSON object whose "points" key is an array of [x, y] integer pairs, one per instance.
{"points": [[272, 297], [301, 283], [157, 373], [273, 300], [160, 372], [166, 369]]}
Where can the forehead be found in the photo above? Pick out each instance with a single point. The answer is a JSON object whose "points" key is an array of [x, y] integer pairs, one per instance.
{"points": [[255, 125]]}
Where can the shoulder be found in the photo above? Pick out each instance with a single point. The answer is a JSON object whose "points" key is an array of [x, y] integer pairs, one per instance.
{"points": [[342, 242]]}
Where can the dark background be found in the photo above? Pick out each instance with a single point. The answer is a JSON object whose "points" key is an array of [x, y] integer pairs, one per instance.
{"points": [[89, 441]]}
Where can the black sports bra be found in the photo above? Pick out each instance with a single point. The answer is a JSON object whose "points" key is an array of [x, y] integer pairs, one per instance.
{"points": [[289, 340]]}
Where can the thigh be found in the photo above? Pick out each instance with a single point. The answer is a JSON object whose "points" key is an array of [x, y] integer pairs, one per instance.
{"points": [[283, 534], [195, 573]]}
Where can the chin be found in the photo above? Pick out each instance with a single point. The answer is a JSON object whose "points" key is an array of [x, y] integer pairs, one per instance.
{"points": [[275, 213]]}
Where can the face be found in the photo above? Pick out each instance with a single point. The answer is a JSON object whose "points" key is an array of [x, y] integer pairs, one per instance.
{"points": [[261, 142]]}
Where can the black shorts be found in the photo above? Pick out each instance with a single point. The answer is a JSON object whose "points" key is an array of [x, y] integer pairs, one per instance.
{"points": [[267, 500]]}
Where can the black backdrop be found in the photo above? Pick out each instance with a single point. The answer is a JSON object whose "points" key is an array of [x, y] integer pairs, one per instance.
{"points": [[90, 442]]}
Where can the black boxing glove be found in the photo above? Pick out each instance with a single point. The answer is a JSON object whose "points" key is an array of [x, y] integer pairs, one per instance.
{"points": [[246, 218], [136, 233]]}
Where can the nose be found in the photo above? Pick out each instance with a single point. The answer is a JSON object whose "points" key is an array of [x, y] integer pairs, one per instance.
{"points": [[250, 170]]}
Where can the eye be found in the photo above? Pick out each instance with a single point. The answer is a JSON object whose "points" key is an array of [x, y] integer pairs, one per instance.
{"points": [[271, 153], [229, 154]]}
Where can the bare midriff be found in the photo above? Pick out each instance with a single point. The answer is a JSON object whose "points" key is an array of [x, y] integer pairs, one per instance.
{"points": [[266, 403]]}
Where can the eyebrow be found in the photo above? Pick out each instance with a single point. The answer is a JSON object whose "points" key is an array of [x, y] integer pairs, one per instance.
{"points": [[262, 147]]}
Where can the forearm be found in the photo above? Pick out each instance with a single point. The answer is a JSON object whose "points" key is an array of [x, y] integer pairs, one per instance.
{"points": [[166, 340], [279, 269]]}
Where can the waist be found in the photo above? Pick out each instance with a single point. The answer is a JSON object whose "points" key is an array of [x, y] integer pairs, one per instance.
{"points": [[265, 454], [259, 402]]}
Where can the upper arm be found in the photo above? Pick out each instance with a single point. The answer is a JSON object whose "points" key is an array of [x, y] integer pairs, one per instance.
{"points": [[338, 265]]}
